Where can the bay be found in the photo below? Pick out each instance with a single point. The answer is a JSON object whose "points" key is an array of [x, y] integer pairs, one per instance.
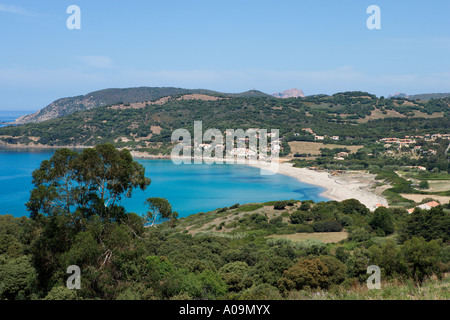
{"points": [[189, 188]]}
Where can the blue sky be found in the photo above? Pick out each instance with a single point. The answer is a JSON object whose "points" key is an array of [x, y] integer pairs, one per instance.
{"points": [[319, 46]]}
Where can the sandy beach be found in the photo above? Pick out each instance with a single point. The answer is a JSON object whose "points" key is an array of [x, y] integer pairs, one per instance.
{"points": [[354, 185], [344, 186], [341, 187]]}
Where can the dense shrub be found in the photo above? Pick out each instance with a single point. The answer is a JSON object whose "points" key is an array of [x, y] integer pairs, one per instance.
{"points": [[280, 205], [304, 228], [298, 217], [382, 221], [327, 226], [235, 275], [312, 273]]}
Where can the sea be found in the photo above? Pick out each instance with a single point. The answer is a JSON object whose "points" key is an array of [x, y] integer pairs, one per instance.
{"points": [[9, 116], [190, 188]]}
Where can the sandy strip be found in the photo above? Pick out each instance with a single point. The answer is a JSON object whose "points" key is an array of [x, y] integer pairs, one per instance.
{"points": [[342, 187], [339, 188]]}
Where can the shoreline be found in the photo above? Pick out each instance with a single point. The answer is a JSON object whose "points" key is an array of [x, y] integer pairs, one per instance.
{"points": [[337, 188]]}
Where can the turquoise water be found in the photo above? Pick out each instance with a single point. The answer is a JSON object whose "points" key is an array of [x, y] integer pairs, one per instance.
{"points": [[189, 188]]}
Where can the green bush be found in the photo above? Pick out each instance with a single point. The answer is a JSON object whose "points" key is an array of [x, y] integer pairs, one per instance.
{"points": [[327, 226], [304, 228], [298, 217], [280, 205], [382, 221]]}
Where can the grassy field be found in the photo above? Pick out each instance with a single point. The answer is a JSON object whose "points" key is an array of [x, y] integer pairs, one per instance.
{"points": [[432, 289], [313, 148], [425, 175], [325, 237], [439, 185], [419, 197], [378, 114]]}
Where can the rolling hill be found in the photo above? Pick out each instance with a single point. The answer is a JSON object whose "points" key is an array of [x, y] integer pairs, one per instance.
{"points": [[357, 117], [66, 106]]}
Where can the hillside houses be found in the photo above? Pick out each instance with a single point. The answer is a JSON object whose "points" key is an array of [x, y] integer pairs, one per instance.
{"points": [[425, 206], [388, 142], [316, 136], [411, 141]]}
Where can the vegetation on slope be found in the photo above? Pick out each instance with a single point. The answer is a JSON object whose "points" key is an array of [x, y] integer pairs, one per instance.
{"points": [[238, 252], [65, 106], [151, 126]]}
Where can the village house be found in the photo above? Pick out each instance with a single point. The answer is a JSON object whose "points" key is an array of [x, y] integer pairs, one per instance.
{"points": [[342, 154], [425, 206], [243, 152], [417, 167], [308, 130]]}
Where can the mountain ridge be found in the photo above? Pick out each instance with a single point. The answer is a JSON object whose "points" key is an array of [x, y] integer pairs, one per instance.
{"points": [[290, 93], [68, 105], [353, 116]]}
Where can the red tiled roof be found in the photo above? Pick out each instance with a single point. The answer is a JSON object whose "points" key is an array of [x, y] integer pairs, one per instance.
{"points": [[433, 204]]}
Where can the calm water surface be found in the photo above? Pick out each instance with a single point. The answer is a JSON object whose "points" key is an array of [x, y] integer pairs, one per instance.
{"points": [[189, 188]]}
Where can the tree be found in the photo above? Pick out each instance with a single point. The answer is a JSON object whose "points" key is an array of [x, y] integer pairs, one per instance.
{"points": [[61, 293], [205, 285], [336, 269], [389, 258], [17, 278], [89, 183], [421, 257], [429, 224], [353, 206], [235, 275], [305, 206], [424, 184], [75, 206], [280, 205], [298, 217], [159, 210], [382, 221], [309, 272], [272, 268]]}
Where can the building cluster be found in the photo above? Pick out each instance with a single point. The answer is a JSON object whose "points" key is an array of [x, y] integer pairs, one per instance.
{"points": [[243, 147], [341, 156], [413, 139], [316, 136], [410, 141]]}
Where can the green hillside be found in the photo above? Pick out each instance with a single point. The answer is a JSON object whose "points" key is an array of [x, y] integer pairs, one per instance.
{"points": [[429, 96], [356, 117], [66, 106]]}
